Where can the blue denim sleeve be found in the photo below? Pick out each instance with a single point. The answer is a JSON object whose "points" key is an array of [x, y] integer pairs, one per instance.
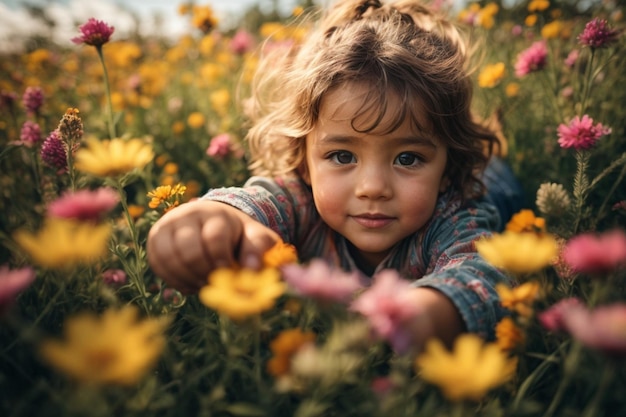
{"points": [[503, 190]]}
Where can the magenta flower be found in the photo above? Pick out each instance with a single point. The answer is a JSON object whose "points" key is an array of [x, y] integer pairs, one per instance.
{"points": [[553, 319], [84, 204], [12, 282], [219, 146], [242, 42], [321, 282], [532, 59], [602, 329], [114, 277], [581, 134], [53, 152], [30, 135], [94, 32], [32, 99], [597, 34], [391, 309], [596, 254]]}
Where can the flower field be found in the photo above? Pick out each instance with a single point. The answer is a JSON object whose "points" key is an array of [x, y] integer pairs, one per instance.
{"points": [[99, 139]]}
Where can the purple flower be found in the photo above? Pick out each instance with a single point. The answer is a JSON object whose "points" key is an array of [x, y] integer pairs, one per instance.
{"points": [[597, 34], [94, 32], [596, 254], [319, 281], [581, 133], [391, 309], [32, 99], [532, 59], [114, 277], [30, 135], [84, 204], [53, 152], [12, 282]]}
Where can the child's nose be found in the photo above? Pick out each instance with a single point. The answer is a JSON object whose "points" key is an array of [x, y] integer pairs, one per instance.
{"points": [[374, 184]]}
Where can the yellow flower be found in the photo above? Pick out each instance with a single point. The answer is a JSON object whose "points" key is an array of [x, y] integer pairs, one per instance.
{"points": [[525, 221], [551, 30], [63, 243], [170, 168], [469, 371], [518, 252], [114, 348], [530, 20], [283, 347], [538, 5], [220, 100], [114, 157], [280, 254], [166, 195], [519, 299], [240, 293], [491, 75], [508, 335], [511, 89], [297, 11], [196, 120]]}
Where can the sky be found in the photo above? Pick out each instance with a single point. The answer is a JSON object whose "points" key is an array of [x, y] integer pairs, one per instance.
{"points": [[16, 24]]}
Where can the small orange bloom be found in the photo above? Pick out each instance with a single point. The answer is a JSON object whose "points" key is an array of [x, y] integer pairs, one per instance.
{"points": [[519, 299], [508, 335], [280, 254], [286, 344], [525, 221]]}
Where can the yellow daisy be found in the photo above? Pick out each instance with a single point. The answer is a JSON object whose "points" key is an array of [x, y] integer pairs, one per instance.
{"points": [[109, 158], [469, 371], [240, 293], [115, 348], [518, 252], [491, 75], [519, 299], [64, 243]]}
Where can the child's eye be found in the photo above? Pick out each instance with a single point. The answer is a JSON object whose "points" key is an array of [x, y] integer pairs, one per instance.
{"points": [[407, 159], [342, 157]]}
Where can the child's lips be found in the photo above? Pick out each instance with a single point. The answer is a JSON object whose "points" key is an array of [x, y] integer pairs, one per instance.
{"points": [[373, 221]]}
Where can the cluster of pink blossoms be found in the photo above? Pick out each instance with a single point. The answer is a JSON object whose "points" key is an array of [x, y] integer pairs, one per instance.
{"points": [[532, 59], [94, 32], [598, 34], [581, 133]]}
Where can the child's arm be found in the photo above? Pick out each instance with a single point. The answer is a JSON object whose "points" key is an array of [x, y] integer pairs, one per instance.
{"points": [[187, 243]]}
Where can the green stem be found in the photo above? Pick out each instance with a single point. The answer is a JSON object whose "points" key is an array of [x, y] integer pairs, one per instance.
{"points": [[570, 366], [108, 94], [607, 376], [587, 83], [581, 187]]}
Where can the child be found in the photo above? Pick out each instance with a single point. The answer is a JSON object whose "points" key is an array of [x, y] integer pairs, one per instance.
{"points": [[366, 155]]}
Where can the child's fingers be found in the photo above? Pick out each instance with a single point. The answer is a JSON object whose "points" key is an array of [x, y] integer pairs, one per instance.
{"points": [[256, 239], [219, 236], [190, 250]]}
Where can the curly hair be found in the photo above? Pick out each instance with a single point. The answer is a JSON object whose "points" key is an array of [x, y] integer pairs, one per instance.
{"points": [[401, 48]]}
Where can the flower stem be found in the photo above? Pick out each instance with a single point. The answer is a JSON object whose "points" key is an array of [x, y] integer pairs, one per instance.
{"points": [[581, 187], [587, 83], [570, 366], [108, 93]]}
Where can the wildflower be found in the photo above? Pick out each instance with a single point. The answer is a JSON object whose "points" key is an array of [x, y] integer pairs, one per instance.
{"points": [[114, 348], [30, 135], [601, 329], [283, 347], [538, 5], [242, 42], [485, 17], [552, 199], [508, 334], [519, 299], [572, 57], [135, 211], [220, 101], [531, 20], [581, 134], [219, 146], [525, 221], [531, 59], [596, 253], [491, 75], [240, 293], [94, 32], [203, 18], [84, 204], [518, 252], [551, 30], [196, 120], [71, 126], [32, 99], [317, 280], [469, 371], [391, 309], [280, 254], [53, 152], [170, 168], [553, 318], [114, 157], [511, 89], [598, 34], [63, 243], [12, 282], [517, 30], [166, 195], [114, 276]]}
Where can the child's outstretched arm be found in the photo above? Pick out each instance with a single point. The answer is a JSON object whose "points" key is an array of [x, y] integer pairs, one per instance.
{"points": [[189, 242]]}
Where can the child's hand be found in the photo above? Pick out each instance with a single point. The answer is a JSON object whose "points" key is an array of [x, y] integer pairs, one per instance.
{"points": [[189, 242]]}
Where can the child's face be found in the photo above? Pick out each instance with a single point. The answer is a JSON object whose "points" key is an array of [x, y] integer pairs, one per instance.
{"points": [[374, 189]]}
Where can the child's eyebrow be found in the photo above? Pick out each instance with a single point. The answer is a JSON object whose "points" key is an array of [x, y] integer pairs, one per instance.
{"points": [[407, 141]]}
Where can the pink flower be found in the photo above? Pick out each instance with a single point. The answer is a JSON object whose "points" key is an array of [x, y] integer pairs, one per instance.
{"points": [[553, 318], [32, 99], [53, 151], [517, 30], [84, 204], [114, 277], [572, 57], [580, 133], [603, 329], [596, 254], [391, 309], [94, 32], [597, 34], [532, 59], [30, 135], [219, 146], [12, 282], [242, 42], [319, 281]]}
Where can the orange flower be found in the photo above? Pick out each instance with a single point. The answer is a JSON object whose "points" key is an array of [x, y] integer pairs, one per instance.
{"points": [[280, 254], [520, 298], [525, 221], [286, 344], [508, 335]]}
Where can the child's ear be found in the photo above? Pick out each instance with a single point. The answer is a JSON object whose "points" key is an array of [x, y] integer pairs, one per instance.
{"points": [[303, 171]]}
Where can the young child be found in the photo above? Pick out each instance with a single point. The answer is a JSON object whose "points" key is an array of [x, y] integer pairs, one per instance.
{"points": [[366, 154]]}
